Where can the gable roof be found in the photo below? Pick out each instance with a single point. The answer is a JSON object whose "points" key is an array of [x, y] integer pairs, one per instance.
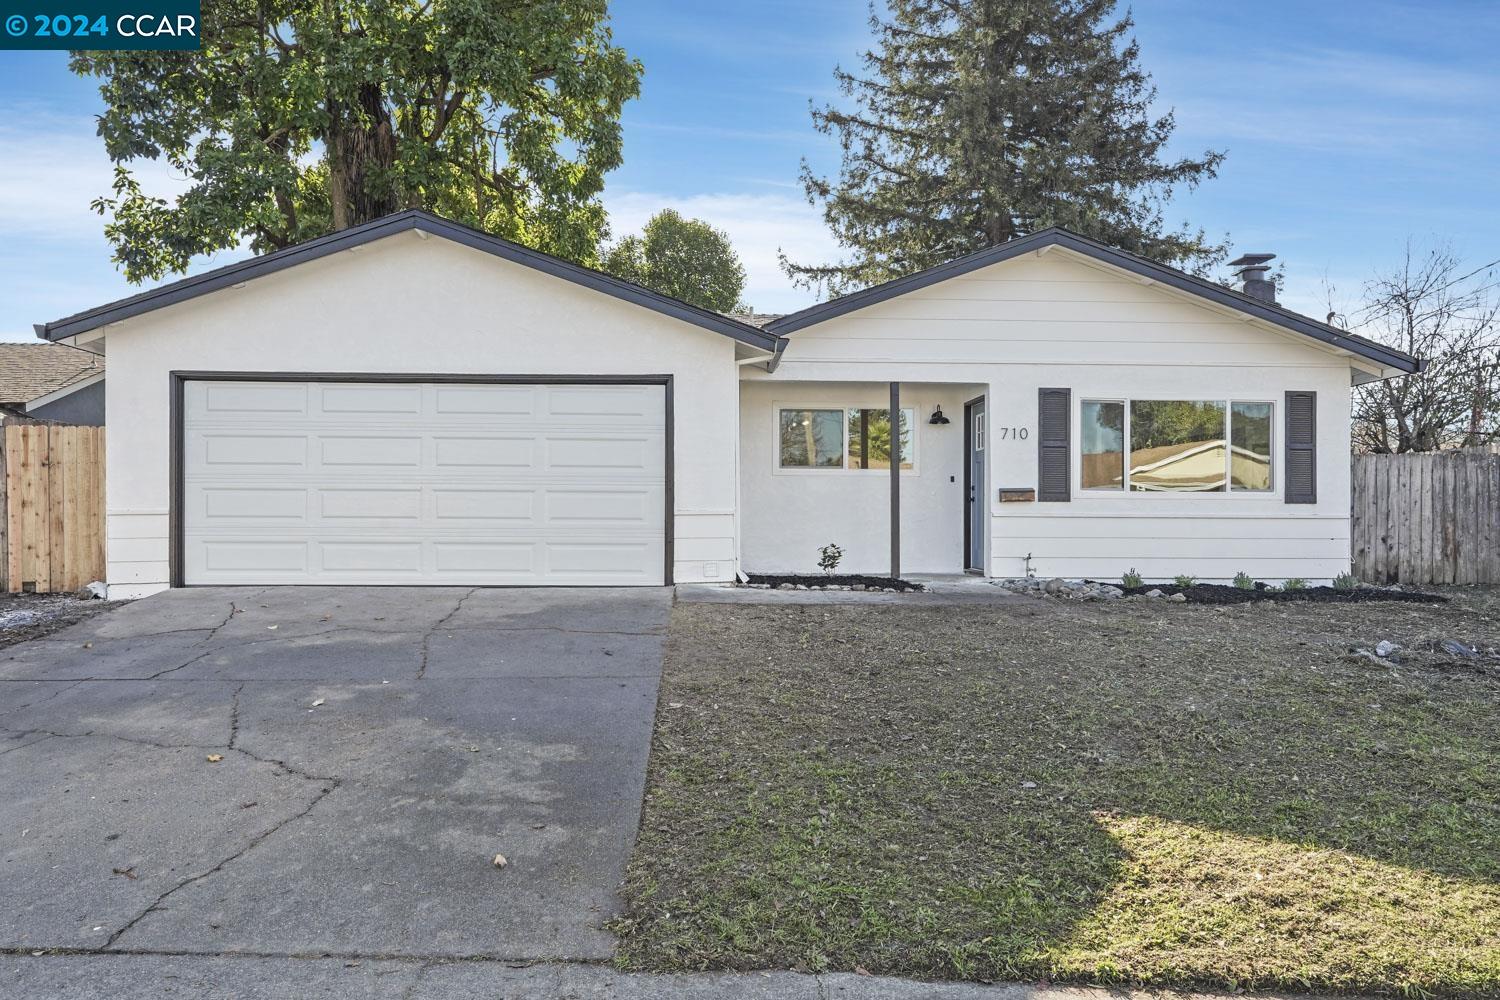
{"points": [[31, 370], [415, 219], [1257, 308]]}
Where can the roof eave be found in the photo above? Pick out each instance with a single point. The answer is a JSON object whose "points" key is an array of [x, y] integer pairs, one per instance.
{"points": [[323, 246], [1137, 265]]}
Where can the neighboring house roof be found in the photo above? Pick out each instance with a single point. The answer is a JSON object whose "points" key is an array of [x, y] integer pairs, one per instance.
{"points": [[1258, 308], [31, 370], [426, 222]]}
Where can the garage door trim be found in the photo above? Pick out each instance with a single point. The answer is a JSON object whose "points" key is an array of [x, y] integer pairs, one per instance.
{"points": [[179, 380]]}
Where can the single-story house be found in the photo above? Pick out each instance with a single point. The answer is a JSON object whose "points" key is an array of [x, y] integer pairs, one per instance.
{"points": [[415, 402], [51, 382]]}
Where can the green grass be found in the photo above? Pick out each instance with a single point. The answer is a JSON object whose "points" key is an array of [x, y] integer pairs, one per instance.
{"points": [[1114, 794]]}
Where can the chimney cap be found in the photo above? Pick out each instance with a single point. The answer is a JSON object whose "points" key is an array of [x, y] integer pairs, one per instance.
{"points": [[1253, 260]]}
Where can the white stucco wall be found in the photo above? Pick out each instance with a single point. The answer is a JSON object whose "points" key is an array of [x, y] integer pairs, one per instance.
{"points": [[790, 513], [404, 305], [1057, 321]]}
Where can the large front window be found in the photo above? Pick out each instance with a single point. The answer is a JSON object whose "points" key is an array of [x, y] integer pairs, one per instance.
{"points": [[1176, 446], [846, 438]]}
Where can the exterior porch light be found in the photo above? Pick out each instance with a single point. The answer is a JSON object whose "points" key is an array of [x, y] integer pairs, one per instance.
{"points": [[937, 416]]}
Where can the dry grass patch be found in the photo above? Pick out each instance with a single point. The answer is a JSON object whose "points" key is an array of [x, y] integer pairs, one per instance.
{"points": [[1176, 795]]}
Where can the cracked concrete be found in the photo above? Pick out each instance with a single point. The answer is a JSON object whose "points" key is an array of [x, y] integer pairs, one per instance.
{"points": [[307, 771], [274, 977]]}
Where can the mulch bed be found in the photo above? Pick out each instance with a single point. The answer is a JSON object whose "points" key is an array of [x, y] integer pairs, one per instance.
{"points": [[837, 580], [1218, 593]]}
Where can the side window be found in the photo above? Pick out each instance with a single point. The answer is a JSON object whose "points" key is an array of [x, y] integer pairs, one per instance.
{"points": [[812, 439], [979, 431]]}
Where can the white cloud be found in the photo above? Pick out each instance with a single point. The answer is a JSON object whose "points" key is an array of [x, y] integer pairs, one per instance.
{"points": [[759, 225]]}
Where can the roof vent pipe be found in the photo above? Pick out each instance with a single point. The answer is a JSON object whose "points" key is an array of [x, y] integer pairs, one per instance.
{"points": [[1252, 276]]}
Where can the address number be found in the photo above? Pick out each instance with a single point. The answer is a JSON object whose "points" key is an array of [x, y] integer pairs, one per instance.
{"points": [[1013, 433]]}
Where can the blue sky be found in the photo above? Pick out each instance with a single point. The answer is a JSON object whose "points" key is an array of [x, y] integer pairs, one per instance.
{"points": [[1349, 127]]}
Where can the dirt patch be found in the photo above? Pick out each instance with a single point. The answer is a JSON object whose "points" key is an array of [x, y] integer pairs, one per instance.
{"points": [[1142, 792], [1218, 593], [837, 580], [31, 616]]}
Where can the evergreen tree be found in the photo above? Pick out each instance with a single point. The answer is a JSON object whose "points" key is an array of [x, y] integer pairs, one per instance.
{"points": [[977, 121]]}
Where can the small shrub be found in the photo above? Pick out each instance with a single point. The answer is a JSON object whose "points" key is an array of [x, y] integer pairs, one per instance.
{"points": [[1294, 583], [1244, 581], [1184, 581], [1345, 581], [1131, 578], [828, 558]]}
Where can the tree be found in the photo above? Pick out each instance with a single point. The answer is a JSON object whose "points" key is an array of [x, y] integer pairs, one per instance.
{"points": [[685, 258], [299, 117], [1435, 308], [977, 121]]}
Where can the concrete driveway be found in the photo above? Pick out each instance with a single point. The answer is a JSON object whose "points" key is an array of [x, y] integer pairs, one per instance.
{"points": [[329, 771]]}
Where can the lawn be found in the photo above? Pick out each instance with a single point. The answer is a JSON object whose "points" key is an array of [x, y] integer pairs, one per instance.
{"points": [[1116, 793]]}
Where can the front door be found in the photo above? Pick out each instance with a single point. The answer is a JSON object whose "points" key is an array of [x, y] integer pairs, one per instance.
{"points": [[975, 482]]}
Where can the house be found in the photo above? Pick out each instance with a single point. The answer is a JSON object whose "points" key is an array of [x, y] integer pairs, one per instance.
{"points": [[414, 402], [51, 382]]}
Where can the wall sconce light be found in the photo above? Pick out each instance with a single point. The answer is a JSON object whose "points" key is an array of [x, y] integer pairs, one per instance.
{"points": [[937, 416]]}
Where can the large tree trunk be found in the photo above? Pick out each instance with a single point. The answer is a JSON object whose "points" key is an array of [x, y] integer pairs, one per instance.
{"points": [[361, 156]]}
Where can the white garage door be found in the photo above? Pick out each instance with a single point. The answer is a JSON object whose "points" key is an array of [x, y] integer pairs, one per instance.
{"points": [[433, 483]]}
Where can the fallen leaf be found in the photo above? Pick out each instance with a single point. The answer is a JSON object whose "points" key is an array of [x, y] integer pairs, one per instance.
{"points": [[472, 749], [127, 872], [272, 628], [675, 704], [860, 970], [214, 758], [318, 702], [499, 861]]}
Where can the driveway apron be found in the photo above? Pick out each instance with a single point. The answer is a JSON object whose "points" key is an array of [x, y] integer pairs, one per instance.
{"points": [[297, 771]]}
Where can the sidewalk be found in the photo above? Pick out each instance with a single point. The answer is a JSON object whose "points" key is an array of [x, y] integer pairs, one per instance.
{"points": [[219, 977]]}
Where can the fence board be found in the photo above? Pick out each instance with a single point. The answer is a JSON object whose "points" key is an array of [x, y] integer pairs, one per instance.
{"points": [[52, 494], [1431, 518]]}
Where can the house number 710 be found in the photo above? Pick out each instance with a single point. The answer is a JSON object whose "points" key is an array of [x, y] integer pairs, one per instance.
{"points": [[1013, 433]]}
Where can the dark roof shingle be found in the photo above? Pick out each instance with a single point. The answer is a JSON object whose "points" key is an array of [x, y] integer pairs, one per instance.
{"points": [[31, 370]]}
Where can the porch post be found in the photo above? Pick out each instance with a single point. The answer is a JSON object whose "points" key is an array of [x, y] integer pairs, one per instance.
{"points": [[896, 480]]}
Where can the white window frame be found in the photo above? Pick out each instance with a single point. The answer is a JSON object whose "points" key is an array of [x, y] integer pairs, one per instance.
{"points": [[1125, 491], [913, 408]]}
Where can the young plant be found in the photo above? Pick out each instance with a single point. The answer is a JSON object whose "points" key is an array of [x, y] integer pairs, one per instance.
{"points": [[1244, 581], [1294, 583], [1184, 581], [1345, 581], [828, 558], [1131, 578]]}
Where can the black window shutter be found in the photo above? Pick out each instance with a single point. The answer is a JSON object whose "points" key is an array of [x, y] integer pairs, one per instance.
{"points": [[1301, 447], [1054, 466]]}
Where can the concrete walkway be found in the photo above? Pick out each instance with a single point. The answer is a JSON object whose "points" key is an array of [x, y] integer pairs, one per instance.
{"points": [[139, 977]]}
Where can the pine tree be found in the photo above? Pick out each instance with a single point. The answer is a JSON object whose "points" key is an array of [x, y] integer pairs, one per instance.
{"points": [[977, 121]]}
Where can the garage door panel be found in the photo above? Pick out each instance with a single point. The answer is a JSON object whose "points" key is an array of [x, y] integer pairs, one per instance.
{"points": [[493, 452], [378, 505], [364, 398], [629, 402], [452, 507], [367, 556], [509, 559], [371, 452], [234, 505], [247, 397], [424, 483], [223, 452], [492, 400]]}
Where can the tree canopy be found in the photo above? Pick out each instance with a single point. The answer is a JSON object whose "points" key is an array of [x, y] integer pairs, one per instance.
{"points": [[299, 117], [977, 121], [687, 259]]}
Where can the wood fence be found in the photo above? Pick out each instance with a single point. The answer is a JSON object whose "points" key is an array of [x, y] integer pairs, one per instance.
{"points": [[1429, 518], [53, 507]]}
